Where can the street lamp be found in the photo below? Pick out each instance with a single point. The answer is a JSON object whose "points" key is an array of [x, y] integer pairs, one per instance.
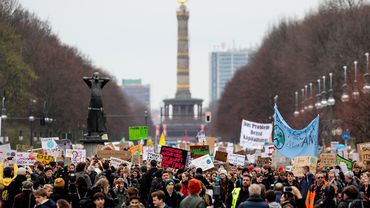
{"points": [[3, 110], [324, 102], [302, 103], [310, 106], [355, 93], [366, 88], [318, 102], [331, 100], [296, 112], [345, 97]]}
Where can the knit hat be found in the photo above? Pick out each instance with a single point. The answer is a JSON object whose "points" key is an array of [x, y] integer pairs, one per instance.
{"points": [[27, 185], [194, 186], [22, 171], [170, 181], [61, 163], [59, 182], [223, 171]]}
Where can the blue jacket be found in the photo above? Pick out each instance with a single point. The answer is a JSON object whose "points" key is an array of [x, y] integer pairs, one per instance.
{"points": [[305, 184], [254, 202]]}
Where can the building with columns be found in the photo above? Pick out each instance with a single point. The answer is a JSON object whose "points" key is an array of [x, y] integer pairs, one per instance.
{"points": [[182, 113]]}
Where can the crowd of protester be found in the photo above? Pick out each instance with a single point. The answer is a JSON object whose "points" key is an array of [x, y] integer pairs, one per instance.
{"points": [[96, 183]]}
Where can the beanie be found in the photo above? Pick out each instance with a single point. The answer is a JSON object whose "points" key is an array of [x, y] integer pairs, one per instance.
{"points": [[22, 171], [170, 181], [194, 186], [59, 182], [223, 171]]}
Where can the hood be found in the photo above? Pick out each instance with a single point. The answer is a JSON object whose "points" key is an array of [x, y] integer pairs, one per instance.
{"points": [[7, 181]]}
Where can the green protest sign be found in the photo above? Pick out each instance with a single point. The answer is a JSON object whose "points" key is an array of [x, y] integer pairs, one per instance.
{"points": [[138, 132], [199, 150], [345, 161]]}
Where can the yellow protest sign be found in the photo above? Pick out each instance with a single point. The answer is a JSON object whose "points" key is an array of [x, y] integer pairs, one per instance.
{"points": [[44, 158]]}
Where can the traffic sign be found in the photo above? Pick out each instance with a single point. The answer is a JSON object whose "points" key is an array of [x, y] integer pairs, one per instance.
{"points": [[345, 135]]}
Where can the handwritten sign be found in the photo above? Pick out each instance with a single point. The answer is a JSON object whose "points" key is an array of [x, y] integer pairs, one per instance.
{"points": [[343, 160], [136, 149], [44, 158], [154, 156], [49, 143], [76, 155], [138, 132], [328, 160], [22, 147], [173, 157], [204, 162], [254, 135], [221, 156], [124, 155], [300, 162], [236, 159], [199, 150], [116, 162], [26, 158]]}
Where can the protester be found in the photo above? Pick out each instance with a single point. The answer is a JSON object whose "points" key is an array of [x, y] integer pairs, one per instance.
{"points": [[193, 200], [61, 203], [159, 200], [349, 194], [25, 199], [271, 199], [42, 200], [307, 180], [240, 194], [315, 191], [185, 177], [172, 199], [255, 200]]}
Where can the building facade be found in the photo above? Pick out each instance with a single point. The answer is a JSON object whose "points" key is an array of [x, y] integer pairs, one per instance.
{"points": [[223, 65], [136, 90]]}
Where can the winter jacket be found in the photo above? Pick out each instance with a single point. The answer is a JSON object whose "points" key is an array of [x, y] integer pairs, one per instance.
{"points": [[255, 202], [48, 204], [274, 205], [7, 194], [305, 184], [173, 200], [192, 201], [24, 200]]}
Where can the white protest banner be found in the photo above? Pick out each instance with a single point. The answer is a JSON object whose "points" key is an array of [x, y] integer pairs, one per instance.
{"points": [[76, 155], [154, 156], [269, 149], [4, 151], [49, 143], [254, 135], [236, 159], [204, 162], [147, 150], [26, 158], [333, 146], [117, 162], [251, 158]]}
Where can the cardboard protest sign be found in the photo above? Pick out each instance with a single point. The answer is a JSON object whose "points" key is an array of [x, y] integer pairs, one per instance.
{"points": [[173, 157], [254, 135], [251, 158], [154, 156], [22, 147], [44, 158], [328, 160], [211, 143], [76, 155], [26, 158], [262, 161], [138, 132], [365, 157], [300, 162], [221, 156], [204, 162], [363, 147], [136, 149], [199, 150], [49, 143], [124, 155], [236, 159], [345, 161]]}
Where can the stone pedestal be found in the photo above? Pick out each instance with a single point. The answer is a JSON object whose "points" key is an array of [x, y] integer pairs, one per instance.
{"points": [[90, 143]]}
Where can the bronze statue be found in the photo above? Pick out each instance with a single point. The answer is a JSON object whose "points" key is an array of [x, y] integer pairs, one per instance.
{"points": [[96, 117]]}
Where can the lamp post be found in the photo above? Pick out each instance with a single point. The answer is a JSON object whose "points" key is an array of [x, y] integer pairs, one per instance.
{"points": [[345, 96], [331, 103], [31, 119], [366, 87], [296, 111], [355, 93], [3, 117]]}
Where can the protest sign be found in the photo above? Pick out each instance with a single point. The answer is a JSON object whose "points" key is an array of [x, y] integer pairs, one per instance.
{"points": [[44, 158], [365, 157], [269, 149], [4, 149], [154, 156], [138, 132], [147, 150], [136, 149], [76, 155], [254, 135], [204, 162], [199, 150], [173, 157], [299, 162], [26, 158], [221, 156], [251, 158], [49, 143], [236, 159], [345, 161], [211, 143], [124, 155], [116, 162], [293, 143], [261, 161], [362, 147], [22, 147], [328, 160]]}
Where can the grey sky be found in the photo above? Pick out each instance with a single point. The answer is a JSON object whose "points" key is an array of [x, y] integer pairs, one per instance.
{"points": [[137, 39]]}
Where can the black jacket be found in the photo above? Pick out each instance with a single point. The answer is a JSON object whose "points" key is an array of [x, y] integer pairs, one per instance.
{"points": [[243, 196], [255, 202], [48, 204]]}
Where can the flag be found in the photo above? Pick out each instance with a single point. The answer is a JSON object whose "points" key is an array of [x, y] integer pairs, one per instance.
{"points": [[293, 143], [186, 136], [162, 140]]}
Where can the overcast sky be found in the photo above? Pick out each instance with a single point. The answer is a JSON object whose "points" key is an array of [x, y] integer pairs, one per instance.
{"points": [[137, 39]]}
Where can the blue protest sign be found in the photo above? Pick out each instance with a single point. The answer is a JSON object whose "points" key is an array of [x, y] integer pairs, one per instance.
{"points": [[345, 135]]}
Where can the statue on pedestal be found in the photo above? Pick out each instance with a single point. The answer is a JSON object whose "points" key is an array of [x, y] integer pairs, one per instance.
{"points": [[96, 118]]}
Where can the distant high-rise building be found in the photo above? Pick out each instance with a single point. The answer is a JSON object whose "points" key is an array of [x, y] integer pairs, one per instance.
{"points": [[135, 89], [223, 65]]}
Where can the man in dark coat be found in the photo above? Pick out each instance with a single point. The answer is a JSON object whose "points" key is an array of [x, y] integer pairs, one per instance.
{"points": [[255, 200], [239, 194], [25, 199], [307, 180]]}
